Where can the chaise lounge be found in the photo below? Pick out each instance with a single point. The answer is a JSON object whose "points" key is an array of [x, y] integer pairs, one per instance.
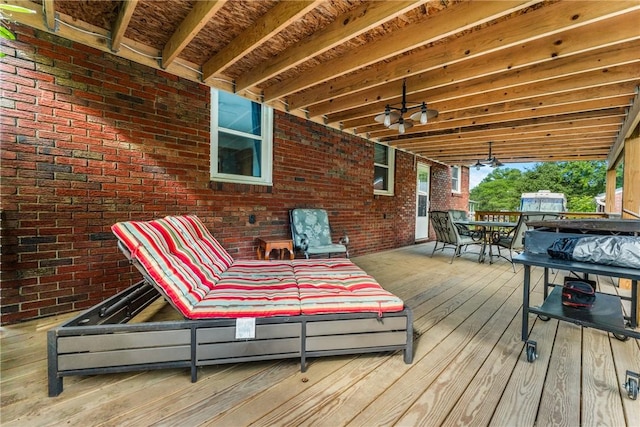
{"points": [[234, 310]]}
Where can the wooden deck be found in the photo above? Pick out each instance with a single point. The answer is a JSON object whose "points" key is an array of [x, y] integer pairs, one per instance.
{"points": [[469, 368]]}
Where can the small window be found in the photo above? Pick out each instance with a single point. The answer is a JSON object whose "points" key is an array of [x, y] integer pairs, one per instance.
{"points": [[241, 139], [455, 179], [384, 165]]}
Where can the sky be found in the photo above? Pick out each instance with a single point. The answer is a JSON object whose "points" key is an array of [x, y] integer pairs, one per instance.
{"points": [[476, 176]]}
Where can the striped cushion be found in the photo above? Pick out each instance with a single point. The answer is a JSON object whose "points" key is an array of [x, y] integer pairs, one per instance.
{"points": [[148, 244], [325, 267], [259, 268], [250, 297], [194, 231], [191, 253], [203, 281], [345, 294]]}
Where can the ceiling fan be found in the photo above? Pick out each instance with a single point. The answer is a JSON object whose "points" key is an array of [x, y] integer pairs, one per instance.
{"points": [[490, 160]]}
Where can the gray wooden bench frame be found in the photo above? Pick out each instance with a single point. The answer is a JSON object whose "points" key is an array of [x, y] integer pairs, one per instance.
{"points": [[100, 341]]}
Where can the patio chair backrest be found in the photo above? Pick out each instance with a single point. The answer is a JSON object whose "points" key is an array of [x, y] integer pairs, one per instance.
{"points": [[443, 226], [526, 217], [458, 215], [312, 224]]}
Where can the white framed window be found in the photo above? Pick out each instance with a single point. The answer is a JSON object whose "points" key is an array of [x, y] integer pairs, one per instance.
{"points": [[384, 169], [456, 179], [241, 139]]}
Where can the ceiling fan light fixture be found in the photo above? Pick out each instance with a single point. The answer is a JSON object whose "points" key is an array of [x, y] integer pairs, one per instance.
{"points": [[401, 125], [490, 160], [393, 117], [388, 118], [424, 114], [496, 163], [478, 165]]}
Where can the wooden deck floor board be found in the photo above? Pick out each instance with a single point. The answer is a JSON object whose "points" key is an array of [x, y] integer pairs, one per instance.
{"points": [[601, 399], [469, 367], [626, 356], [450, 336], [560, 397], [520, 401], [433, 406]]}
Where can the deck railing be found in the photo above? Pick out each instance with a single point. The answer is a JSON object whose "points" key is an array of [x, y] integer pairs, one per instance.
{"points": [[512, 216]]}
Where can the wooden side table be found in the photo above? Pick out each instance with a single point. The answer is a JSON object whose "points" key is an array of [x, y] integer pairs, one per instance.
{"points": [[268, 244]]}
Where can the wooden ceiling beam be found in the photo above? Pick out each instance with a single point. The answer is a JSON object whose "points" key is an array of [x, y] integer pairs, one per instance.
{"points": [[539, 148], [516, 156], [438, 85], [589, 126], [597, 153], [581, 99], [630, 124], [274, 21], [122, 22], [343, 28], [452, 20], [509, 44], [502, 112], [507, 120], [530, 158], [493, 90], [590, 99], [49, 8], [189, 28], [508, 144], [517, 134], [606, 117]]}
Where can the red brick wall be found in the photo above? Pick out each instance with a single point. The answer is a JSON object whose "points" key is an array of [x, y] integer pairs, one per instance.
{"points": [[89, 139], [460, 201]]}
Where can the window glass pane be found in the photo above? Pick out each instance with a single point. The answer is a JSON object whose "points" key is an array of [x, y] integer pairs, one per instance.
{"points": [[422, 206], [381, 155], [238, 155], [423, 182], [380, 178], [455, 178], [238, 113]]}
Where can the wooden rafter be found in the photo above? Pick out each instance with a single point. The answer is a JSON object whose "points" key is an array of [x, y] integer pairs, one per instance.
{"points": [[545, 80], [49, 7], [450, 21], [345, 27], [199, 16], [630, 124], [490, 50], [488, 91], [451, 82], [279, 17], [122, 22]]}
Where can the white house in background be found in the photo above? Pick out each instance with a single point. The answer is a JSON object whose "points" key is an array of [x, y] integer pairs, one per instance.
{"points": [[617, 206]]}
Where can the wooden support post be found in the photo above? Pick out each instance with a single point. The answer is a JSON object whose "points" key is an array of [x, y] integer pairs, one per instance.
{"points": [[610, 192], [631, 188], [631, 177]]}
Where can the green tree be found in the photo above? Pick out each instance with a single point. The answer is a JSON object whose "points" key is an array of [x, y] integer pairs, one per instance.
{"points": [[579, 181], [498, 191], [5, 18]]}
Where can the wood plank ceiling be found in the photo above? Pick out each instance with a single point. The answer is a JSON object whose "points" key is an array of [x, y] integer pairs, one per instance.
{"points": [[542, 80]]}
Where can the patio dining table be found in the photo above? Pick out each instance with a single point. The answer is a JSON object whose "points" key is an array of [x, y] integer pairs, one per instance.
{"points": [[488, 233]]}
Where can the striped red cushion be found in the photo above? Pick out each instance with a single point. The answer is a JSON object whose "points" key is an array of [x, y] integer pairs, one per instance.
{"points": [[196, 233], [203, 281], [325, 267], [345, 294], [250, 297], [259, 268], [149, 246]]}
